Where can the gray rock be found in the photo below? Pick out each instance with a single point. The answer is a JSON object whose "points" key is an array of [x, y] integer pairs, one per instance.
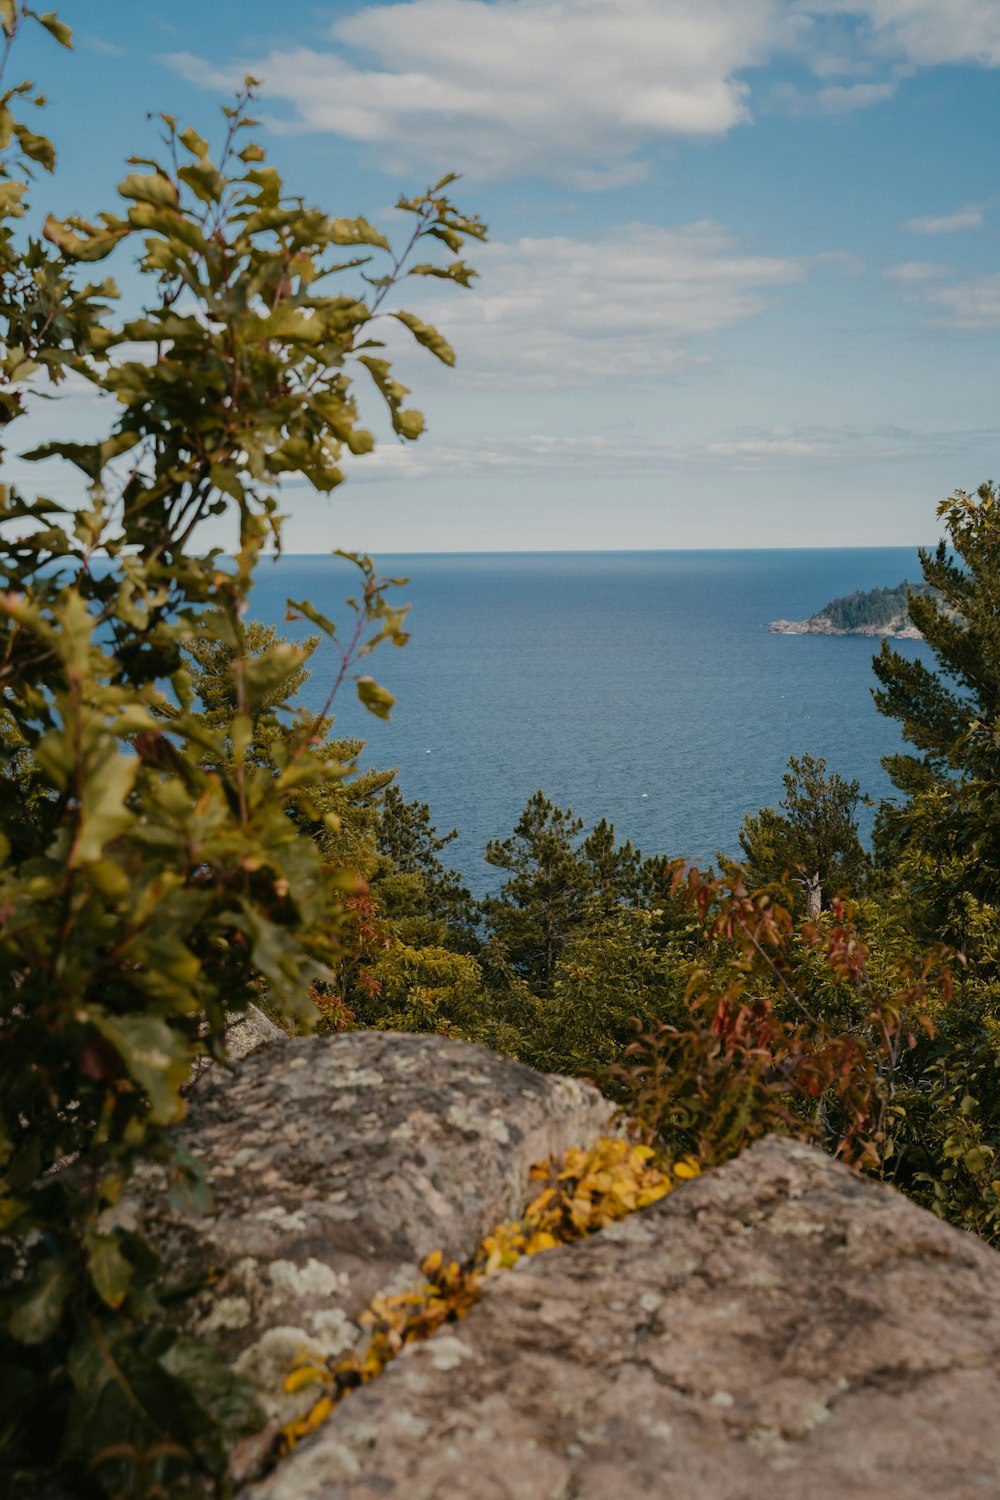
{"points": [[777, 1329], [336, 1165], [248, 1031]]}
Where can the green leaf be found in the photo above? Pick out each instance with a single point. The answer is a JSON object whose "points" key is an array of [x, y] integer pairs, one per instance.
{"points": [[298, 609], [265, 673], [427, 336], [93, 244], [37, 148], [409, 424], [157, 1057], [37, 1311], [204, 181], [458, 272], [357, 232], [104, 814], [110, 1272], [376, 699], [62, 33], [156, 189]]}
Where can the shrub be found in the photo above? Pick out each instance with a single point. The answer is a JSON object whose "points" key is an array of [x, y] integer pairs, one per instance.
{"points": [[154, 875]]}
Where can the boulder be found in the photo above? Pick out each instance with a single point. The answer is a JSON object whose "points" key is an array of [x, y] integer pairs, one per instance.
{"points": [[776, 1329], [248, 1031], [335, 1165]]}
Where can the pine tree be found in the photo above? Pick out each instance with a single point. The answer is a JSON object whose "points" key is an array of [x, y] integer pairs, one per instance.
{"points": [[943, 834], [814, 839], [556, 884], [423, 899]]}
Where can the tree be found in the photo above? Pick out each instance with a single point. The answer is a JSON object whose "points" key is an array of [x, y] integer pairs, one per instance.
{"points": [[943, 834], [556, 882], [153, 870], [814, 839], [417, 893]]}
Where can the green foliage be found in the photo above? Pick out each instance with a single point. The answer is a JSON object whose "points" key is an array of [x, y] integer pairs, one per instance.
{"points": [[155, 875], [790, 1028], [557, 884], [613, 975], [814, 840], [876, 608], [425, 989], [425, 901], [943, 836]]}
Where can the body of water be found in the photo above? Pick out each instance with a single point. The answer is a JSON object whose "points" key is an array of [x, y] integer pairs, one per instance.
{"points": [[643, 687]]}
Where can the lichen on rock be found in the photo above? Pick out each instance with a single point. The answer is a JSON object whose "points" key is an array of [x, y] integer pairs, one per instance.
{"points": [[335, 1166], [776, 1328]]}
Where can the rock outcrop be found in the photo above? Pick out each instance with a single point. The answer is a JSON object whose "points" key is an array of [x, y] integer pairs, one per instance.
{"points": [[896, 630], [775, 1329], [248, 1031], [335, 1165]]}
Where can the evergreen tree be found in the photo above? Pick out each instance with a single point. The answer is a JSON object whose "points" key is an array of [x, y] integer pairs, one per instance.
{"points": [[424, 901], [943, 833], [556, 884], [814, 839]]}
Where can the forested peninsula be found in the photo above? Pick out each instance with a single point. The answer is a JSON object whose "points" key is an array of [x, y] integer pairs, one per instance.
{"points": [[879, 612]]}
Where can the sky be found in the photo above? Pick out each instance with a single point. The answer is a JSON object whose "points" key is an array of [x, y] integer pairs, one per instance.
{"points": [[742, 285]]}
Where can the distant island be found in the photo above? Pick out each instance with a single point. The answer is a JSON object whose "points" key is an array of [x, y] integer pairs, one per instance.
{"points": [[881, 612]]}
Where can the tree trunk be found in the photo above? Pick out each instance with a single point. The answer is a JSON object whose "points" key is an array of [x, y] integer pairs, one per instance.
{"points": [[814, 895]]}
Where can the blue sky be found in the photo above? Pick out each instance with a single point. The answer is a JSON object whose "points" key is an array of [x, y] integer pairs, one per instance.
{"points": [[742, 286]]}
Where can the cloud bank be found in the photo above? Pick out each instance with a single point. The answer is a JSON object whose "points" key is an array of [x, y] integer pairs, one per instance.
{"points": [[577, 89], [628, 305]]}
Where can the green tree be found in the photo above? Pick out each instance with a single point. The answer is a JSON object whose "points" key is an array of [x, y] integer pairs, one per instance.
{"points": [[614, 974], [557, 882], [814, 838], [423, 900], [152, 871], [943, 833]]}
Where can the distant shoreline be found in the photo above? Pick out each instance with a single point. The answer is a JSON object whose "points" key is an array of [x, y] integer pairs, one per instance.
{"points": [[822, 625]]}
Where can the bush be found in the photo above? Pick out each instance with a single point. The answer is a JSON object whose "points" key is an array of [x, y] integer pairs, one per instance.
{"points": [[154, 874]]}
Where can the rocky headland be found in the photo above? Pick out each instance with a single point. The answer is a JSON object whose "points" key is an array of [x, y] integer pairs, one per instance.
{"points": [[879, 612], [898, 629]]}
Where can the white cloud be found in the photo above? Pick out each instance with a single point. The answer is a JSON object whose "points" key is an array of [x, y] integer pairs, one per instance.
{"points": [[565, 88], [973, 305], [925, 32], [616, 456], [836, 99], [576, 89], [915, 272], [630, 305], [969, 217], [100, 45]]}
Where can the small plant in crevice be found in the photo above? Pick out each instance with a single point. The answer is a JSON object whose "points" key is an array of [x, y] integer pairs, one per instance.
{"points": [[584, 1191]]}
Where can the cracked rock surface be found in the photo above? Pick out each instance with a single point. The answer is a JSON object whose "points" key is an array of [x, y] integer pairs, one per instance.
{"points": [[776, 1329], [336, 1164]]}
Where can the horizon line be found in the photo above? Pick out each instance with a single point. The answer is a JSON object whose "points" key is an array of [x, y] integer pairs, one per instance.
{"points": [[594, 551]]}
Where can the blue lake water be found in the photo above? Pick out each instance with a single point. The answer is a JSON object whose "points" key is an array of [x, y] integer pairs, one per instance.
{"points": [[643, 687]]}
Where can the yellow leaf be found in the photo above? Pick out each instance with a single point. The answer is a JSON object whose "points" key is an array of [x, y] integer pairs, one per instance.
{"points": [[305, 1375], [687, 1168], [540, 1241], [320, 1412]]}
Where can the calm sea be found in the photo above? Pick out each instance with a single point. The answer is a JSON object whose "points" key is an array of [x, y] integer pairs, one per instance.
{"points": [[643, 687]]}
